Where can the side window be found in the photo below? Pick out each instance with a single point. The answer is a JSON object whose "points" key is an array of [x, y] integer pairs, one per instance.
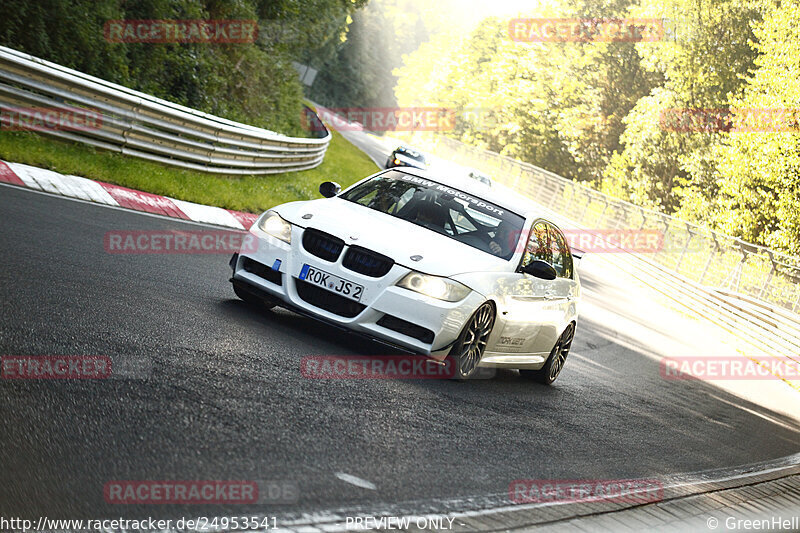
{"points": [[538, 246], [562, 257]]}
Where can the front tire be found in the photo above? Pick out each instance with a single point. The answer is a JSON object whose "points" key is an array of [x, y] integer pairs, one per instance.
{"points": [[555, 361], [470, 345]]}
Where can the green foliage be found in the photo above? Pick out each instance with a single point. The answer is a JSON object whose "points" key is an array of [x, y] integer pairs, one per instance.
{"points": [[702, 64], [67, 32], [760, 171], [359, 71], [558, 105], [250, 82], [594, 111], [344, 163]]}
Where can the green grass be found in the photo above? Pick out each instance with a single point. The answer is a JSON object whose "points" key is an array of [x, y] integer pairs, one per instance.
{"points": [[344, 163]]}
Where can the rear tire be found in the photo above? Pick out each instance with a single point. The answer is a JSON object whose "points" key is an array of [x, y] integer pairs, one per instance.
{"points": [[470, 345], [555, 361]]}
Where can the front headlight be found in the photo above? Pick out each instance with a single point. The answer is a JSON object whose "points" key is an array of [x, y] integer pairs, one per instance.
{"points": [[273, 224], [434, 286]]}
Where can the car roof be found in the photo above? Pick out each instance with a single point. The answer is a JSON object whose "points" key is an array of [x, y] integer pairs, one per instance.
{"points": [[504, 198]]}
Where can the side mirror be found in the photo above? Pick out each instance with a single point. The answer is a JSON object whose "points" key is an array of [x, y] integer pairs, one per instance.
{"points": [[539, 269], [329, 189], [577, 255]]}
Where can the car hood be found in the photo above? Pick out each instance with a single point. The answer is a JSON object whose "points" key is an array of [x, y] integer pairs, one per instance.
{"points": [[391, 236]]}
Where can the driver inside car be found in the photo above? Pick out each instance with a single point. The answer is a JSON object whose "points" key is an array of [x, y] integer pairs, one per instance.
{"points": [[502, 244]]}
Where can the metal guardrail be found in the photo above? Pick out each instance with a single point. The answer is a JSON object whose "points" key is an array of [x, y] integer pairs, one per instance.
{"points": [[705, 257], [772, 330], [143, 126]]}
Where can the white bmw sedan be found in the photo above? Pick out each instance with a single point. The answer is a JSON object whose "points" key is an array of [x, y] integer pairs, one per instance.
{"points": [[435, 266]]}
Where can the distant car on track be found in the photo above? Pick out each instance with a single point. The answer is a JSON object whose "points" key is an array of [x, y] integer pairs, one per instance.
{"points": [[436, 266], [403, 156]]}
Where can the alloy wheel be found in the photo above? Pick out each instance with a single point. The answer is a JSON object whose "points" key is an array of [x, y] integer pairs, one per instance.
{"points": [[476, 336]]}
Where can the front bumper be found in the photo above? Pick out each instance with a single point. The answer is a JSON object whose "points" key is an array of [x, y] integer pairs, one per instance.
{"points": [[385, 312]]}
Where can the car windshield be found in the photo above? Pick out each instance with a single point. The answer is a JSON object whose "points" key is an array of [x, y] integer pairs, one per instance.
{"points": [[451, 212], [416, 156]]}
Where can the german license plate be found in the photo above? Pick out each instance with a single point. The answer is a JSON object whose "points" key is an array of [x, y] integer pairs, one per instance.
{"points": [[328, 281]]}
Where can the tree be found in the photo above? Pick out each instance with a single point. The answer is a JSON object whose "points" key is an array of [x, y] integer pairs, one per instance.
{"points": [[760, 170], [558, 105], [249, 82], [702, 63]]}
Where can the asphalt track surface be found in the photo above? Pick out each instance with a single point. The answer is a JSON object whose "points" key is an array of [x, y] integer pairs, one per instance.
{"points": [[214, 391]]}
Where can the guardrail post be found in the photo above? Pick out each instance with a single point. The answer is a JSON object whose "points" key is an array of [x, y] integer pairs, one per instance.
{"points": [[736, 273], [517, 179], [710, 258], [685, 247], [603, 213], [131, 124], [586, 207], [623, 219], [568, 201], [558, 190], [769, 276], [664, 220]]}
